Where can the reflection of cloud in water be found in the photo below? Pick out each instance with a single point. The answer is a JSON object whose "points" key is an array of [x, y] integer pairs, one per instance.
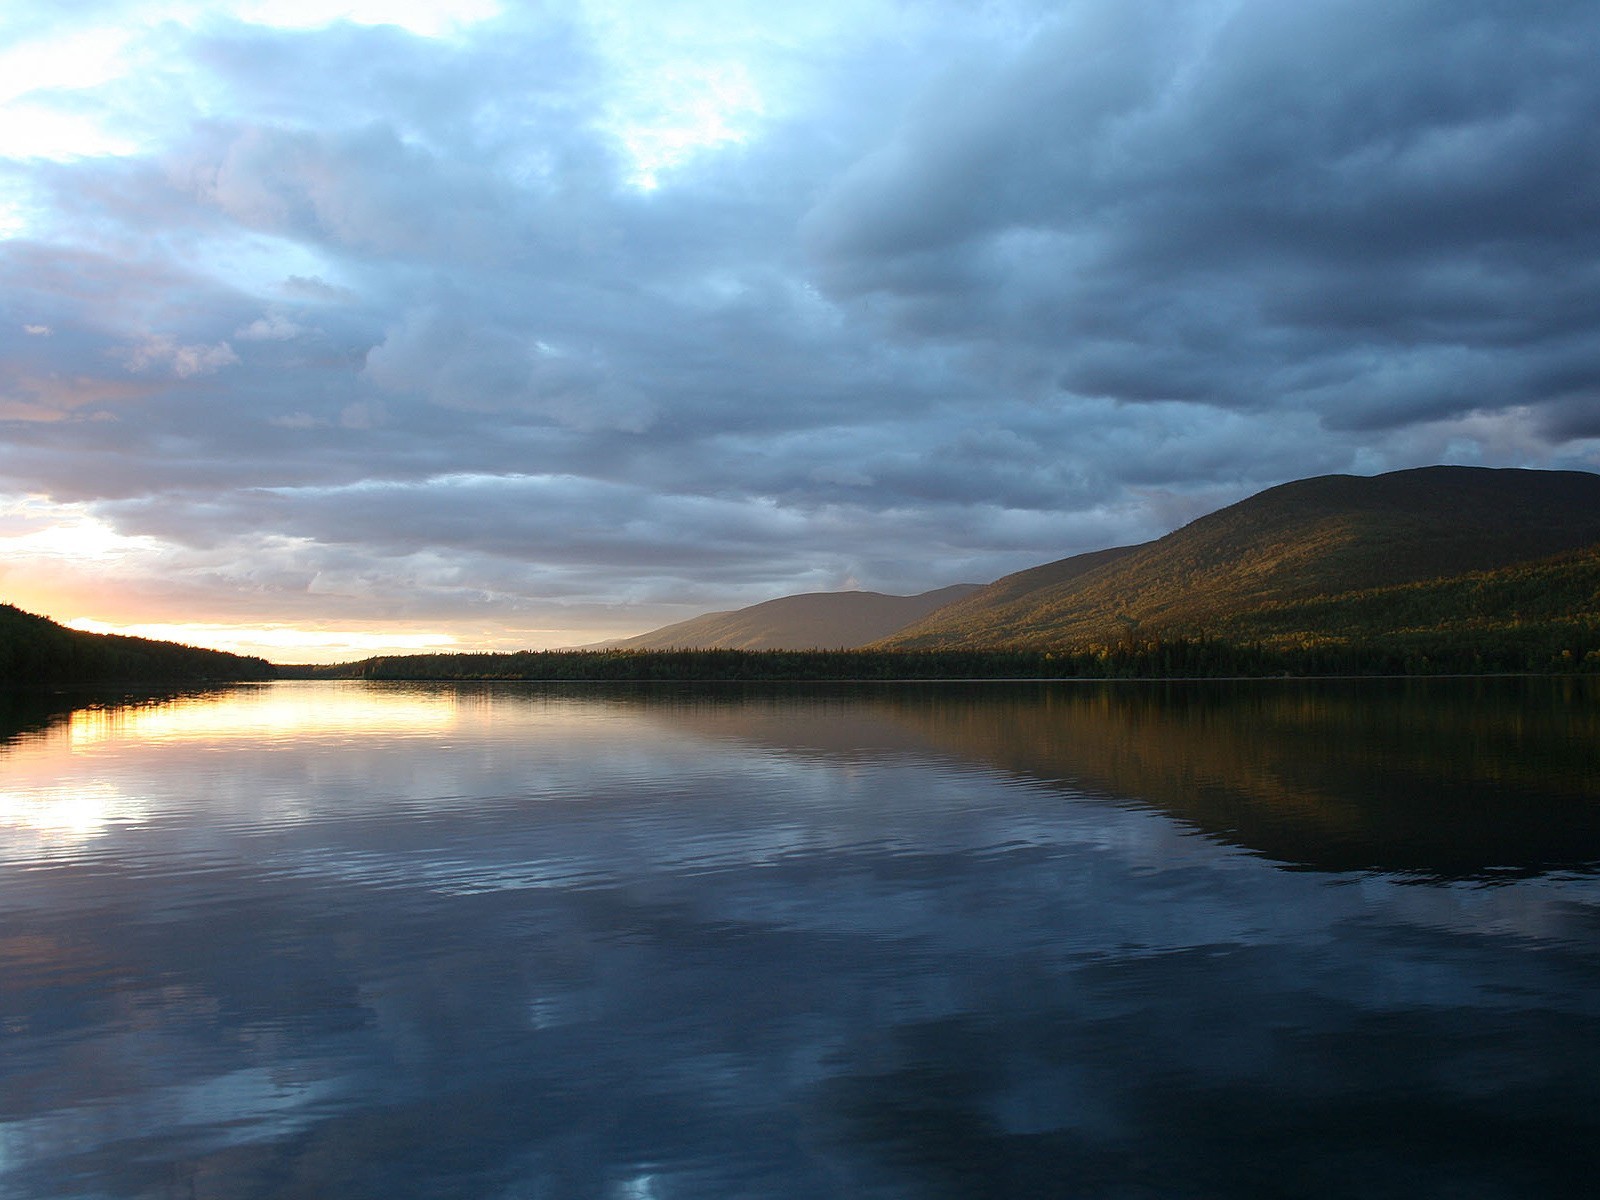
{"points": [[619, 952], [253, 1104]]}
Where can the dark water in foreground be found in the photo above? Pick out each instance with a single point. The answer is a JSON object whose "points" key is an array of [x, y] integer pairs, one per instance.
{"points": [[1267, 939]]}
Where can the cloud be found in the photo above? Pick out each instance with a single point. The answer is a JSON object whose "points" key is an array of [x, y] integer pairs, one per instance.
{"points": [[1165, 202], [626, 307], [312, 288], [274, 327], [158, 351], [495, 369]]}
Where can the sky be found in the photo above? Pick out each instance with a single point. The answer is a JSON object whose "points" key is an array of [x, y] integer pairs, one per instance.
{"points": [[366, 326]]}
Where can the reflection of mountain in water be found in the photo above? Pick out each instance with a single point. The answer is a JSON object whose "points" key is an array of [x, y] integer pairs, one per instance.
{"points": [[1448, 778], [1441, 778]]}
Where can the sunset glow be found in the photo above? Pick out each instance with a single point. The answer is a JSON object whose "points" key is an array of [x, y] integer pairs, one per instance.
{"points": [[280, 712], [282, 643]]}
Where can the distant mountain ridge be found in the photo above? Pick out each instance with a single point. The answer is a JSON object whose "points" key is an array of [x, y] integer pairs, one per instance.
{"points": [[1334, 557], [1312, 540], [812, 620]]}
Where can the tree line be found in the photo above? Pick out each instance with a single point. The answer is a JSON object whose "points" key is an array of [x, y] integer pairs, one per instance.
{"points": [[36, 650], [1176, 658]]}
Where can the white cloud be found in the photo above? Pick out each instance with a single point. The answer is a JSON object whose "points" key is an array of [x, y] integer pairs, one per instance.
{"points": [[72, 60], [682, 109], [425, 18], [274, 327], [159, 350], [38, 130]]}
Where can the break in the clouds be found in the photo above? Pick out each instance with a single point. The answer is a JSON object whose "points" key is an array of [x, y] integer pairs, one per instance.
{"points": [[578, 318]]}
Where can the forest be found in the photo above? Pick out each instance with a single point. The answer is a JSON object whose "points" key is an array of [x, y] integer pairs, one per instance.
{"points": [[36, 650], [1542, 651]]}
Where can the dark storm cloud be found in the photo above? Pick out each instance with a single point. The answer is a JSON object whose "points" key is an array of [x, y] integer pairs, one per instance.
{"points": [[961, 291], [1190, 202]]}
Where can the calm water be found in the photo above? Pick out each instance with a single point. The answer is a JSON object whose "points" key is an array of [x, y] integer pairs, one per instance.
{"points": [[330, 940]]}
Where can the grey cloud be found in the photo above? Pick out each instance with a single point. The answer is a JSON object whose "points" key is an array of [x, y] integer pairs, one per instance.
{"points": [[577, 539], [538, 73], [364, 190], [1578, 419], [1396, 177], [313, 288], [460, 365], [982, 289]]}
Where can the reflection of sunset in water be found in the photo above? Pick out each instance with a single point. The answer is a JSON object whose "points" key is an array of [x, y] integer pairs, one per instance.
{"points": [[54, 816], [70, 786], [279, 712], [254, 714], [269, 756], [340, 938]]}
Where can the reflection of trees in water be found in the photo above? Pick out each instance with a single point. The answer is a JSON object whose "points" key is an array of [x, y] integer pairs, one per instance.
{"points": [[1460, 778], [1441, 778], [25, 711], [1451, 778]]}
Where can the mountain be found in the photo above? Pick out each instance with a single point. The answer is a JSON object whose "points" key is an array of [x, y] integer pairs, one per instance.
{"points": [[825, 620], [1544, 613], [35, 649], [975, 608], [1325, 541]]}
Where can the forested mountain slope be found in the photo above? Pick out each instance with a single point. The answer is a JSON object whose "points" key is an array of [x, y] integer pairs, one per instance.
{"points": [[1312, 540]]}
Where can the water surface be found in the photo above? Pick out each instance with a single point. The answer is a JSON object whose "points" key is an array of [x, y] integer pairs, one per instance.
{"points": [[1113, 940]]}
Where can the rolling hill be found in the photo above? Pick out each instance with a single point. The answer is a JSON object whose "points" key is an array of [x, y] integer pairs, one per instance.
{"points": [[813, 620], [1284, 564]]}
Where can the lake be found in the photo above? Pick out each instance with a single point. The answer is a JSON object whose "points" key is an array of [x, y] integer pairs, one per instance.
{"points": [[1120, 940]]}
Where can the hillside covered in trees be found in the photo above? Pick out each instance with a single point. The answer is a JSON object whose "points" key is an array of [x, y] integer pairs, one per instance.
{"points": [[36, 650], [1453, 555]]}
